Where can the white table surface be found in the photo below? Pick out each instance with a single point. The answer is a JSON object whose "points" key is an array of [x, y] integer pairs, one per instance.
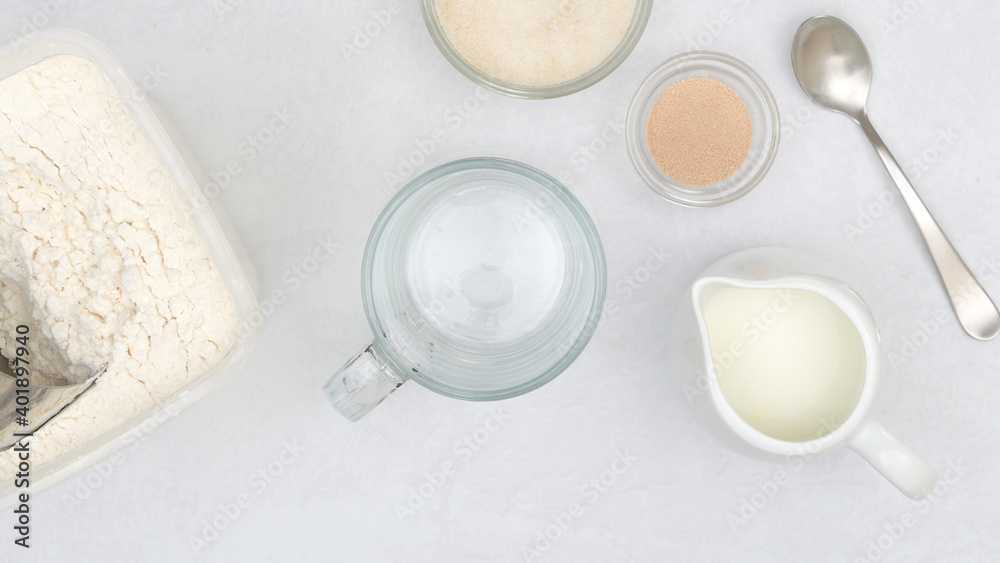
{"points": [[225, 71]]}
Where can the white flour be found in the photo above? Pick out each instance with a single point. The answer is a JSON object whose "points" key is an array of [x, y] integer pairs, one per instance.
{"points": [[97, 254]]}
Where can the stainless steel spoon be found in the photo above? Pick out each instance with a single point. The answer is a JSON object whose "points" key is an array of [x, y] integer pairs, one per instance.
{"points": [[833, 67]]}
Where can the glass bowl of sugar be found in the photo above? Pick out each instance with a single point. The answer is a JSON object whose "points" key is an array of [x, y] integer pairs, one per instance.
{"points": [[702, 129], [536, 48]]}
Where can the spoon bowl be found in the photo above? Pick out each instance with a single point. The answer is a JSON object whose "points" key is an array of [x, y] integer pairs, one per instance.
{"points": [[832, 65]]}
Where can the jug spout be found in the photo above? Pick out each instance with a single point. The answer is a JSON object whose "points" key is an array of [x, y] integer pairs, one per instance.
{"points": [[361, 384], [702, 290]]}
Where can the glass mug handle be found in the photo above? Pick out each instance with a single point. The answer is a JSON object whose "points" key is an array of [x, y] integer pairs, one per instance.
{"points": [[894, 459], [363, 383]]}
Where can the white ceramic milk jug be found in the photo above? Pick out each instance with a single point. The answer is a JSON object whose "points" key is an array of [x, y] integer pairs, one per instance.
{"points": [[780, 360]]}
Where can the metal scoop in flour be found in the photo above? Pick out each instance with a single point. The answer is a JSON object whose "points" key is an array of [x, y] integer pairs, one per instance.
{"points": [[48, 392]]}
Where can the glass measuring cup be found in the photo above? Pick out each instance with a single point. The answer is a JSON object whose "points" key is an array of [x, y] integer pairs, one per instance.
{"points": [[482, 279]]}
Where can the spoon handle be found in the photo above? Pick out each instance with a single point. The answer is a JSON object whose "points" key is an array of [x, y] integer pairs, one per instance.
{"points": [[976, 312]]}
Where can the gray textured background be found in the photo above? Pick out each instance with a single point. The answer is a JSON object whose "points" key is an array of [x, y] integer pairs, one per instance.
{"points": [[225, 66]]}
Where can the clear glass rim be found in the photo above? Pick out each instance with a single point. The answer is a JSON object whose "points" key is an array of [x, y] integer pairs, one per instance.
{"points": [[635, 129], [639, 19], [586, 226]]}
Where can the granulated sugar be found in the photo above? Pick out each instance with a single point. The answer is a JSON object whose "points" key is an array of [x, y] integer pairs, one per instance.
{"points": [[699, 132], [535, 43]]}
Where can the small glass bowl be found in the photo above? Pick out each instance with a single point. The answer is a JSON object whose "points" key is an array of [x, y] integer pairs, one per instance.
{"points": [[763, 115], [639, 19]]}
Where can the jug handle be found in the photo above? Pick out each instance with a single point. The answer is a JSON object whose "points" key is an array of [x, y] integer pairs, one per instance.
{"points": [[363, 383], [894, 459]]}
